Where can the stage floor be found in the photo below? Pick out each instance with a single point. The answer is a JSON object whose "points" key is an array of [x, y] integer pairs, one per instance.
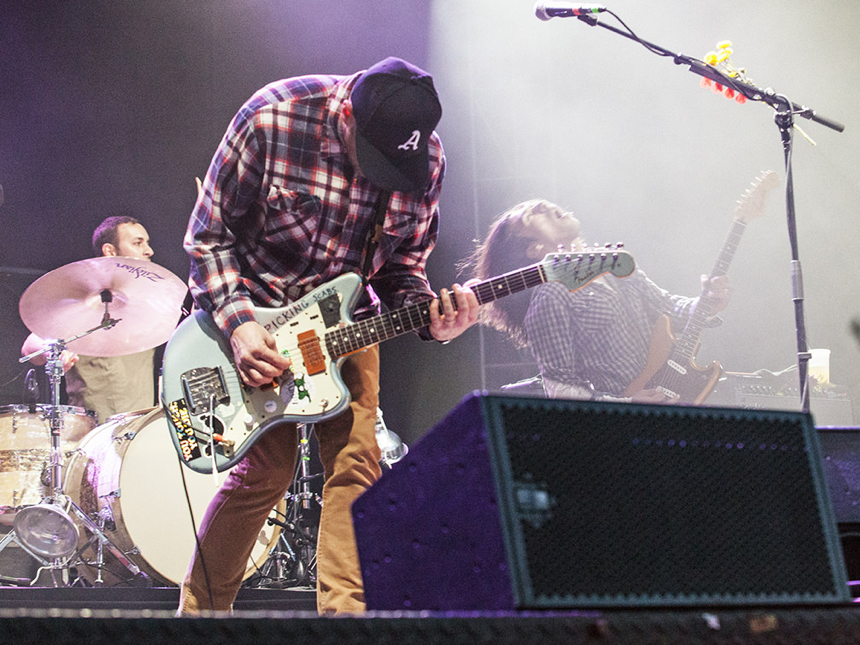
{"points": [[99, 616], [154, 599]]}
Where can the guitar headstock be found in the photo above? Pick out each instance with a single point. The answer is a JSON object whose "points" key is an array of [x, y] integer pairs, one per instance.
{"points": [[753, 201], [575, 269]]}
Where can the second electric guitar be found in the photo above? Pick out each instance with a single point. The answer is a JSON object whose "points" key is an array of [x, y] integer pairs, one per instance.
{"points": [[671, 364], [210, 411]]}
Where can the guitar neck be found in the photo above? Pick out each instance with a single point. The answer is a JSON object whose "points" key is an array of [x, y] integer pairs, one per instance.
{"points": [[688, 342], [364, 333], [730, 245]]}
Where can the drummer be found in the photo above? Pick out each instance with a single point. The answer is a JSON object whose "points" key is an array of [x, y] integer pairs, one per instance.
{"points": [[109, 385]]}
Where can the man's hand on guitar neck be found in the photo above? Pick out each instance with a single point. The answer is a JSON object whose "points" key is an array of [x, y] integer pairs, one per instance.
{"points": [[719, 290], [256, 354], [453, 322]]}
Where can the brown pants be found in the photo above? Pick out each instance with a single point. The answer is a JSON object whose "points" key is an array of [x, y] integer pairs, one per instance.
{"points": [[350, 457]]}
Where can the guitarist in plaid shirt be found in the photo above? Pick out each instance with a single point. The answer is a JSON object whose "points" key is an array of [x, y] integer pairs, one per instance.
{"points": [[314, 173], [590, 343]]}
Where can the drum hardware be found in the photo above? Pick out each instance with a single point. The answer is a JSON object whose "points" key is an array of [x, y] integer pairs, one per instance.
{"points": [[56, 305], [14, 582], [11, 537], [299, 522], [292, 563], [126, 474], [105, 521], [392, 449], [306, 495], [46, 530]]}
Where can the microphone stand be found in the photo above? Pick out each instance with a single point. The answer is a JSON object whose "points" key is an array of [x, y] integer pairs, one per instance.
{"points": [[786, 111]]}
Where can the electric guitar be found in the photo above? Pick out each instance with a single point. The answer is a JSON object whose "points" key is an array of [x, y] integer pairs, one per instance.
{"points": [[671, 365], [214, 418]]}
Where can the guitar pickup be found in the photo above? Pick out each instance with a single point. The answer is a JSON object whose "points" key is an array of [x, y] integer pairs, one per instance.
{"points": [[204, 389], [312, 356]]}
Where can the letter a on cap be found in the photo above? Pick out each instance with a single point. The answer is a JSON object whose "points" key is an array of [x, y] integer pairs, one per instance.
{"points": [[411, 142]]}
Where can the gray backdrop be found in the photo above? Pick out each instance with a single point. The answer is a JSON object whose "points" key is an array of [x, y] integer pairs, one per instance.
{"points": [[115, 107]]}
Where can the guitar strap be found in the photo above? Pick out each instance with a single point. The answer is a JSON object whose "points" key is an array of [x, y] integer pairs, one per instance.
{"points": [[374, 233]]}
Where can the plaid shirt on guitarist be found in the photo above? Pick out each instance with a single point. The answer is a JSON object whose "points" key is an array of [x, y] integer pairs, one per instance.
{"points": [[591, 343], [280, 213]]}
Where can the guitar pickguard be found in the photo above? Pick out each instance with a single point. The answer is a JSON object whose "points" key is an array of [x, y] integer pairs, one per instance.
{"points": [[199, 372]]}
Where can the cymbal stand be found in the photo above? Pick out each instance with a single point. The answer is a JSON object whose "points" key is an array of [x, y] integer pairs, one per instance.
{"points": [[97, 529], [50, 520], [46, 530], [293, 561]]}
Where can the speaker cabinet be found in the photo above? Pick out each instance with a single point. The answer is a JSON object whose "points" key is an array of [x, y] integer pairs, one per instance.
{"points": [[840, 450], [517, 503]]}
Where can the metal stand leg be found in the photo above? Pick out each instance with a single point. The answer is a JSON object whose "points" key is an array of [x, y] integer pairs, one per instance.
{"points": [[18, 582], [104, 543], [292, 562]]}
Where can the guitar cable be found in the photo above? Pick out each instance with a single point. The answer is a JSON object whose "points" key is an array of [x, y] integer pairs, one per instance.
{"points": [[212, 436], [197, 546], [196, 537]]}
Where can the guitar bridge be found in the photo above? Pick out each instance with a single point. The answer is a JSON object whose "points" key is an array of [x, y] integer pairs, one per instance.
{"points": [[204, 389]]}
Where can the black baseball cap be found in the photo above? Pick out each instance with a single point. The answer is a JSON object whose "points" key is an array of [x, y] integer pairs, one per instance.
{"points": [[396, 109]]}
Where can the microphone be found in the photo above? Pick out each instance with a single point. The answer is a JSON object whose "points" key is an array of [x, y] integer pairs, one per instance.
{"points": [[561, 9]]}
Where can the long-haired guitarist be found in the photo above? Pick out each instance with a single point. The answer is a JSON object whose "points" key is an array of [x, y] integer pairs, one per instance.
{"points": [[314, 174], [590, 343]]}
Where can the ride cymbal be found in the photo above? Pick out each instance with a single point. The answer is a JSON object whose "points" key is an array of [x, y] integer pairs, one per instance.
{"points": [[144, 297]]}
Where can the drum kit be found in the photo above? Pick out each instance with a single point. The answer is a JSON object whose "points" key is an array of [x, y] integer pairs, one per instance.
{"points": [[105, 306], [111, 504]]}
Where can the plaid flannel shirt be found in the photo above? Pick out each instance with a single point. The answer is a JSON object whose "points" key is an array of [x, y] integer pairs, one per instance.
{"points": [[280, 213], [593, 342]]}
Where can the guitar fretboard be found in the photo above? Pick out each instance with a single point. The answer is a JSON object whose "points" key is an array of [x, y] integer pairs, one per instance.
{"points": [[357, 336], [688, 342]]}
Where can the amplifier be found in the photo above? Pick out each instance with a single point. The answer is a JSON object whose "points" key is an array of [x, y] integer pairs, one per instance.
{"points": [[764, 390]]}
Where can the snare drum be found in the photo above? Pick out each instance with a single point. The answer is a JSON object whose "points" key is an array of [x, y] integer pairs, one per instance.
{"points": [[25, 448], [128, 470]]}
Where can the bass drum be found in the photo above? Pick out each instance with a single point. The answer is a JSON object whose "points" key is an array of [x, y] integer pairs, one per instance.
{"points": [[128, 471]]}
